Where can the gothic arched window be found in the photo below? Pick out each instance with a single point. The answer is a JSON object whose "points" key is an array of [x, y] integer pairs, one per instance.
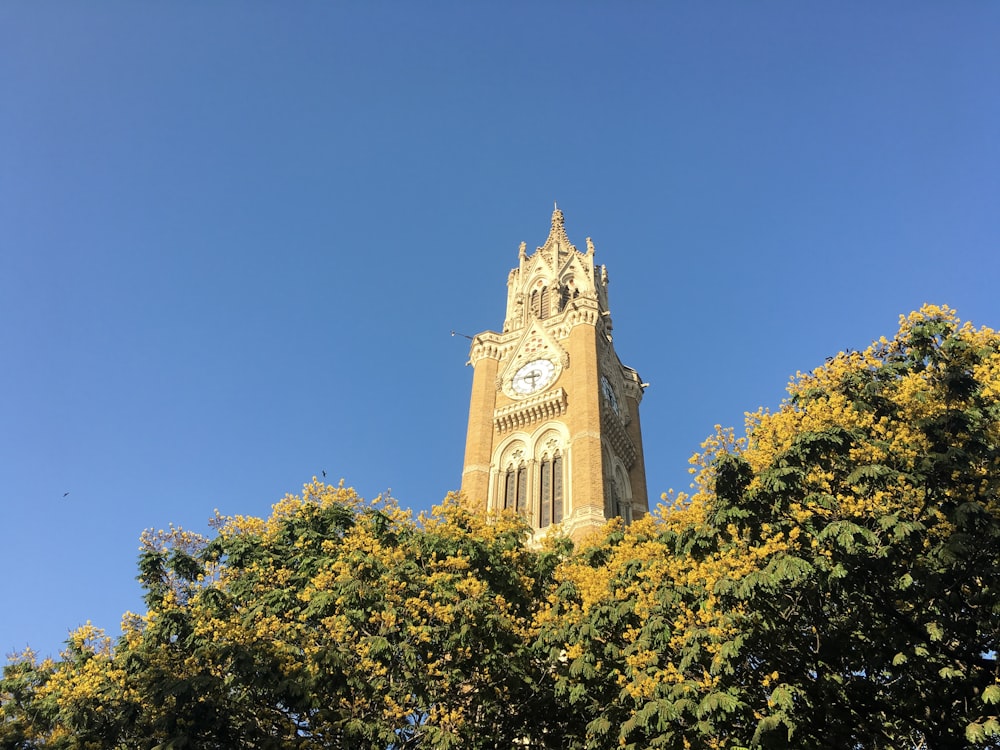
{"points": [[550, 506], [515, 490], [540, 303], [622, 503], [567, 292]]}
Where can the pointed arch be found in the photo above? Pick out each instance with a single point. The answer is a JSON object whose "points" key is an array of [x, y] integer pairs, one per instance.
{"points": [[509, 488], [623, 495], [617, 487], [529, 475], [550, 446]]}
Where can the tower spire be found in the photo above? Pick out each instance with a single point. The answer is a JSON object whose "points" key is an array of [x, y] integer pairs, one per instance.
{"points": [[557, 233]]}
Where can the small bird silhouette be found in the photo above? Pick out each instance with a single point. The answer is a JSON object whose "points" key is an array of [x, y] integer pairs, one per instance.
{"points": [[324, 474], [65, 494]]}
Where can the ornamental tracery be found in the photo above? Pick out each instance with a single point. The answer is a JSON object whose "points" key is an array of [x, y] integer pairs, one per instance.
{"points": [[530, 476]]}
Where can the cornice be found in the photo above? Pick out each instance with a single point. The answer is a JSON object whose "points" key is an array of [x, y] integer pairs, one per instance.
{"points": [[547, 405], [488, 345], [634, 386]]}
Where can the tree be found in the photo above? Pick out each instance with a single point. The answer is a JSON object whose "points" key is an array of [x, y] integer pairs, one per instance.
{"points": [[833, 582], [333, 623]]}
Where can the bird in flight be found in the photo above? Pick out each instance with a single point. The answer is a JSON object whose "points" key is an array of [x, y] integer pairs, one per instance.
{"points": [[65, 494]]}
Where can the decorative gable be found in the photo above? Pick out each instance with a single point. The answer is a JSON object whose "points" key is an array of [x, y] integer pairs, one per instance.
{"points": [[536, 343]]}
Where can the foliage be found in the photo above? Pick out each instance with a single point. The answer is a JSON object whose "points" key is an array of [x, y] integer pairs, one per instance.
{"points": [[833, 581], [334, 623]]}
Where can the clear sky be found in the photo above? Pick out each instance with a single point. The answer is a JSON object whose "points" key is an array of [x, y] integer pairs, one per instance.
{"points": [[235, 236]]}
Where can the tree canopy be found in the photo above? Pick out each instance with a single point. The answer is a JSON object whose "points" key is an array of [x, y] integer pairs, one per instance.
{"points": [[832, 581]]}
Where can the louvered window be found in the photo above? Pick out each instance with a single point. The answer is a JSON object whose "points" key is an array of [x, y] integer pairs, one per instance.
{"points": [[510, 490], [522, 490], [515, 492], [551, 488], [540, 303]]}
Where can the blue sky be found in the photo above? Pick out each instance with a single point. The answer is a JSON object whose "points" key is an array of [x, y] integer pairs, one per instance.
{"points": [[234, 237]]}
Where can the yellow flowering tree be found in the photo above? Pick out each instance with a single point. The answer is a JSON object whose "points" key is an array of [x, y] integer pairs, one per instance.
{"points": [[833, 581], [334, 623], [874, 619]]}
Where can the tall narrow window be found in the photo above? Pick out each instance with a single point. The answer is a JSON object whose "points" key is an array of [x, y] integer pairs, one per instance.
{"points": [[509, 490], [522, 490], [557, 489], [623, 508], [515, 489], [545, 506], [550, 506], [540, 303]]}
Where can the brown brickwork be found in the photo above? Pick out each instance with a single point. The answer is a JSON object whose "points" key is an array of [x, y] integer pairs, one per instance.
{"points": [[549, 391]]}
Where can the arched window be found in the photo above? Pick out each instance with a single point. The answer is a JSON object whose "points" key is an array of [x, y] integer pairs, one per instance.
{"points": [[515, 491], [623, 505], [614, 499], [522, 490], [567, 292], [540, 303], [550, 506], [609, 490]]}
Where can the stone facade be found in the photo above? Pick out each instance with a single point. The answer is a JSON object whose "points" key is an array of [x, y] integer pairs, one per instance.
{"points": [[554, 416]]}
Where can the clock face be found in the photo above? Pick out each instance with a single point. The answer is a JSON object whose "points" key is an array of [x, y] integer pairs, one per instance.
{"points": [[533, 377], [609, 394]]}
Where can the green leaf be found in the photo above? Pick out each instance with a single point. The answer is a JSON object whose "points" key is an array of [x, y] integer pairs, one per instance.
{"points": [[781, 697], [991, 694], [599, 726], [868, 474], [716, 702], [975, 732], [846, 534], [935, 631], [780, 479]]}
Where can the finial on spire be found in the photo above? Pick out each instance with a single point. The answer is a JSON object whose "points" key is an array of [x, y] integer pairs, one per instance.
{"points": [[557, 234], [557, 217]]}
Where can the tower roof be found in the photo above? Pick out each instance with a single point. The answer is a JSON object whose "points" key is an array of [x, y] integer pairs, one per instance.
{"points": [[557, 239]]}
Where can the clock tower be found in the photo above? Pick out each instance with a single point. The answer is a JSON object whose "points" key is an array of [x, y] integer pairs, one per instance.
{"points": [[554, 416]]}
